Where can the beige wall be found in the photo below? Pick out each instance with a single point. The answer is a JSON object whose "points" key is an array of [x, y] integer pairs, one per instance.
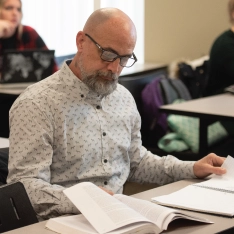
{"points": [[177, 29]]}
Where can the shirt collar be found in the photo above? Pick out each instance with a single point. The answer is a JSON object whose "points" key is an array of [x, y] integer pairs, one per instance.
{"points": [[75, 84]]}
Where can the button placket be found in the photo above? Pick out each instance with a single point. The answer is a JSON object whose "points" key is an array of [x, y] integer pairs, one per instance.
{"points": [[105, 160]]}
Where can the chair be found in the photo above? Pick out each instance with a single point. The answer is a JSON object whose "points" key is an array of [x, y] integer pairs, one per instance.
{"points": [[195, 79], [136, 84], [4, 152], [6, 101], [15, 207]]}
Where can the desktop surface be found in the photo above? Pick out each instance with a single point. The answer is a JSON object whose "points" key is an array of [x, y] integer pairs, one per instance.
{"points": [[4, 142], [217, 106], [176, 227], [181, 226]]}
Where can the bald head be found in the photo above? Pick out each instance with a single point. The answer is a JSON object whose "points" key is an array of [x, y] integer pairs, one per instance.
{"points": [[111, 21]]}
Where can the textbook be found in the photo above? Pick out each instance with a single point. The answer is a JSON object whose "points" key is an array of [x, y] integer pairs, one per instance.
{"points": [[103, 213], [215, 195]]}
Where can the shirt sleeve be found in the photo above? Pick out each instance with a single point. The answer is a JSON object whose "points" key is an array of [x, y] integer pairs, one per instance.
{"points": [[149, 168], [162, 170], [30, 158]]}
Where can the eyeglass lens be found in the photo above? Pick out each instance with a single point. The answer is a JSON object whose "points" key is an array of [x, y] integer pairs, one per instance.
{"points": [[110, 57]]}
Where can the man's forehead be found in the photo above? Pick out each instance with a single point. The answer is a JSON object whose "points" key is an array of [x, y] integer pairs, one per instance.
{"points": [[117, 44]]}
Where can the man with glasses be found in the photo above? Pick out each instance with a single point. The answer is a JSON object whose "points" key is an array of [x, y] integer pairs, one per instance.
{"points": [[81, 125]]}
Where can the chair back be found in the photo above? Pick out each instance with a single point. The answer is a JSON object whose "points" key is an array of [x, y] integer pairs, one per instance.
{"points": [[136, 84], [15, 207], [4, 155]]}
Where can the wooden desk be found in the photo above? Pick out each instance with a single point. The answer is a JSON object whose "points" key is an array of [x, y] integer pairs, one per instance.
{"points": [[208, 109], [14, 89], [4, 142], [179, 226]]}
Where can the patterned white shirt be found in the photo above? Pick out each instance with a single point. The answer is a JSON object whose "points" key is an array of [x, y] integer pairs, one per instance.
{"points": [[62, 134]]}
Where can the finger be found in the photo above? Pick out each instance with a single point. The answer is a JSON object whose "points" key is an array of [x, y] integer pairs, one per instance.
{"points": [[106, 190], [216, 160], [217, 170]]}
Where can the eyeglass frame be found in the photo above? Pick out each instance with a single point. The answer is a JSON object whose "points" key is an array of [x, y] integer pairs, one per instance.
{"points": [[117, 56]]}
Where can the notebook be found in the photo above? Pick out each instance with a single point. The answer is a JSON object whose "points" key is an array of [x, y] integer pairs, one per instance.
{"points": [[214, 196], [26, 66]]}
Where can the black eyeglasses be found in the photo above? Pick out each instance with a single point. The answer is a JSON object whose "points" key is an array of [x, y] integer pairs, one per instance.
{"points": [[109, 56]]}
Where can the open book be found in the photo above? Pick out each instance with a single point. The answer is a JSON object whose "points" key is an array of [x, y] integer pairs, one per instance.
{"points": [[103, 213], [215, 195]]}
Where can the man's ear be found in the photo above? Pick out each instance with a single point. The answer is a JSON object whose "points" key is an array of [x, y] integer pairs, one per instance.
{"points": [[79, 41]]}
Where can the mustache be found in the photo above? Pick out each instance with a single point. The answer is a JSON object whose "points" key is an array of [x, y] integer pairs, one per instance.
{"points": [[109, 74]]}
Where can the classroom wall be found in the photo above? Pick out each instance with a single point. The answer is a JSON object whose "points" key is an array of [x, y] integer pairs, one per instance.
{"points": [[177, 29]]}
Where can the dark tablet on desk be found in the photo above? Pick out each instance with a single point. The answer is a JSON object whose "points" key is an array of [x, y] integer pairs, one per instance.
{"points": [[21, 66]]}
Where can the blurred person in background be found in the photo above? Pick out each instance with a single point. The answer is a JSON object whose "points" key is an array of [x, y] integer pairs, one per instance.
{"points": [[14, 35], [221, 62]]}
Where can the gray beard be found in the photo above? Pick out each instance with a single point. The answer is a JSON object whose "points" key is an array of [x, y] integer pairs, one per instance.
{"points": [[96, 83]]}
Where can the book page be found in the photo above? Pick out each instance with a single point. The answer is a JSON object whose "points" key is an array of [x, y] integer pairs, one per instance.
{"points": [[70, 224], [155, 213], [93, 202], [159, 215], [221, 182], [79, 224]]}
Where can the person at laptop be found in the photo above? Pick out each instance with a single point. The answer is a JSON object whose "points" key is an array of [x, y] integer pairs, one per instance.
{"points": [[221, 62], [81, 125], [14, 35]]}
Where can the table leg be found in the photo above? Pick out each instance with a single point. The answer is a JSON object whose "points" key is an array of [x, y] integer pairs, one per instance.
{"points": [[203, 136], [203, 141]]}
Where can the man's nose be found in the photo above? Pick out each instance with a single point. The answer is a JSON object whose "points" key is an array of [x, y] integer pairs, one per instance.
{"points": [[115, 66]]}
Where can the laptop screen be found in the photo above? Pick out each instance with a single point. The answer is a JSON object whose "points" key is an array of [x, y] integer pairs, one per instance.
{"points": [[20, 66]]}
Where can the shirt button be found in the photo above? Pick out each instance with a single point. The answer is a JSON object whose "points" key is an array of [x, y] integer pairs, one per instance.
{"points": [[105, 160], [98, 107], [104, 134], [82, 95], [105, 182]]}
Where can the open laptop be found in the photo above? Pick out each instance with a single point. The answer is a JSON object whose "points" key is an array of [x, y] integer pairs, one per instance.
{"points": [[22, 67]]}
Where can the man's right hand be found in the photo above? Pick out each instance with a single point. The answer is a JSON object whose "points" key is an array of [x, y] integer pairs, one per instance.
{"points": [[7, 29], [106, 190]]}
